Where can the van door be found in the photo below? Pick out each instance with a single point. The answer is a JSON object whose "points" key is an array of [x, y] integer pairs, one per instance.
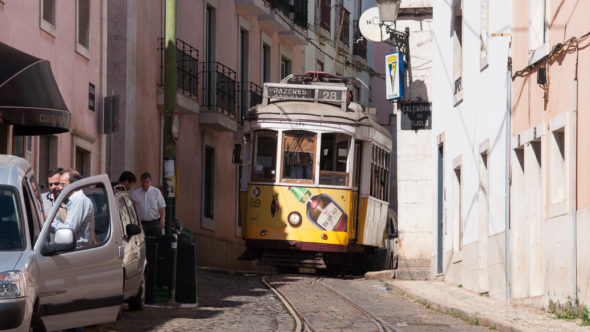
{"points": [[82, 286]]}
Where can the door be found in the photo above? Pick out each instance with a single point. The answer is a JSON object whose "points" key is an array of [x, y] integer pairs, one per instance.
{"points": [[82, 286], [439, 191], [133, 246]]}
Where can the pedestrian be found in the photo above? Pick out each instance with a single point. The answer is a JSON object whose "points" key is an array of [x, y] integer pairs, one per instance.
{"points": [[77, 213], [53, 183], [127, 179], [150, 206]]}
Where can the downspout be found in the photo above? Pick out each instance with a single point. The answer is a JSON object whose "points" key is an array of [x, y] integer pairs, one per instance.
{"points": [[507, 179], [575, 192]]}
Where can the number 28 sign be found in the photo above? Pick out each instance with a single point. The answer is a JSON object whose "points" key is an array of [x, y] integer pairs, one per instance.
{"points": [[394, 70]]}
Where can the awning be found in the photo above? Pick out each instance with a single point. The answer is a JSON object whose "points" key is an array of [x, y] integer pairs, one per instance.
{"points": [[29, 97]]}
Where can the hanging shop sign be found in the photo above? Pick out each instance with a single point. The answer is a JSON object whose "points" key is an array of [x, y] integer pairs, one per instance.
{"points": [[416, 115], [394, 71]]}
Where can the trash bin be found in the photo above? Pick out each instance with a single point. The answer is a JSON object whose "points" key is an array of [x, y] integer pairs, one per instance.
{"points": [[151, 269], [164, 260], [186, 274]]}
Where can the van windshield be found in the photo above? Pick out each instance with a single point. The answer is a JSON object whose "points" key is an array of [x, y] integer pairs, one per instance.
{"points": [[10, 225]]}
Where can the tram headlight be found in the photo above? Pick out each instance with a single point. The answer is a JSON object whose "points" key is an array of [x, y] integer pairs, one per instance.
{"points": [[294, 219], [324, 236]]}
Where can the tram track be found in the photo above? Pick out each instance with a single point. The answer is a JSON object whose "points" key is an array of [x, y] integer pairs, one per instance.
{"points": [[304, 302]]}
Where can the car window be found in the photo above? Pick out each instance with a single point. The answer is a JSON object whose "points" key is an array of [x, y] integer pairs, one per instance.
{"points": [[86, 213], [31, 212], [123, 213], [10, 222]]}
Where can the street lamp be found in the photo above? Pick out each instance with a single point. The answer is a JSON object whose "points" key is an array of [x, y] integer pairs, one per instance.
{"points": [[388, 11]]}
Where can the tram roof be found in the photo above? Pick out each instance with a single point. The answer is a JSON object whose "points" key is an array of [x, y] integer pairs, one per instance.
{"points": [[314, 113]]}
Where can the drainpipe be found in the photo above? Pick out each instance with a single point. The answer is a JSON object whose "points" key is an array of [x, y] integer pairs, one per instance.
{"points": [[507, 179], [575, 194]]}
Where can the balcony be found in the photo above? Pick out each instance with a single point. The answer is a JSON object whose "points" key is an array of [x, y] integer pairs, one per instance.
{"points": [[278, 17], [254, 7], [219, 96], [298, 15], [187, 76], [250, 96]]}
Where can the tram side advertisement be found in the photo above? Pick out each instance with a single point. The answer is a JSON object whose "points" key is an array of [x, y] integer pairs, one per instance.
{"points": [[295, 211]]}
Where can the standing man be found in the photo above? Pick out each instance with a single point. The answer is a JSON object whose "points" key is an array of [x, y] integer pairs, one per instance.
{"points": [[54, 190], [127, 179], [150, 205], [79, 212]]}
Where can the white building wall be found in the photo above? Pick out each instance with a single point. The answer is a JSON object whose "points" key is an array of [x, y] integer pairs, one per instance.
{"points": [[475, 123]]}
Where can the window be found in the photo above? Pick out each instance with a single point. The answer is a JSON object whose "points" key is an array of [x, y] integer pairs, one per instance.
{"points": [[11, 237], [83, 161], [210, 55], [334, 159], [325, 14], [265, 156], [48, 16], [538, 29], [483, 33], [123, 213], [558, 186], [285, 67], [83, 26], [22, 146], [244, 75], [343, 25], [265, 62], [209, 182], [298, 156], [457, 205], [380, 161], [32, 206], [457, 35]]}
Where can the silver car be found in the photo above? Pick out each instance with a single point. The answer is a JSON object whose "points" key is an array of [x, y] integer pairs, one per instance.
{"points": [[50, 276]]}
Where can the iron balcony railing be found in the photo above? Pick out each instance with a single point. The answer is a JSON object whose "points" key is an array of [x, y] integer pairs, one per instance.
{"points": [[300, 13], [250, 95], [325, 14], [219, 88], [187, 67], [359, 45]]}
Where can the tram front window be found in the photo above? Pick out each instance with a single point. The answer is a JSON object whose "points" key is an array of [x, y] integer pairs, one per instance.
{"points": [[265, 156], [333, 159], [298, 156]]}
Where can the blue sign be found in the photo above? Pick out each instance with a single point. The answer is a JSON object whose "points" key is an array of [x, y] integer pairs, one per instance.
{"points": [[394, 70]]}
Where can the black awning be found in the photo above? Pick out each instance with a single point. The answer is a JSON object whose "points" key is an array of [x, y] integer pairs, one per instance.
{"points": [[29, 97]]}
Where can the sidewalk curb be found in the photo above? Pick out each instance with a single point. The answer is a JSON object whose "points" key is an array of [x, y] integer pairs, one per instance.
{"points": [[465, 315]]}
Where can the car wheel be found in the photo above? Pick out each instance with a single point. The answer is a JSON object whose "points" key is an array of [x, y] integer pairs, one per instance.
{"points": [[36, 322], [136, 303]]}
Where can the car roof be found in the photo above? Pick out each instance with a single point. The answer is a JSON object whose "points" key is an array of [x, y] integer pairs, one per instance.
{"points": [[12, 170]]}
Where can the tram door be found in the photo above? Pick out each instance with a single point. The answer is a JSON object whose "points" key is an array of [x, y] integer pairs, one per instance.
{"points": [[356, 184]]}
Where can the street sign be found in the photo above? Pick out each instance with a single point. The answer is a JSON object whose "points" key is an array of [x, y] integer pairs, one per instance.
{"points": [[416, 115], [394, 69]]}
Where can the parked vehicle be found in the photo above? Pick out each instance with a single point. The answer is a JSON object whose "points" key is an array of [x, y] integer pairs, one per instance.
{"points": [[46, 280]]}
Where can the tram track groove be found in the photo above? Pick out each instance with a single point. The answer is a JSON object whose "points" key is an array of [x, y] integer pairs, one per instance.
{"points": [[304, 324]]}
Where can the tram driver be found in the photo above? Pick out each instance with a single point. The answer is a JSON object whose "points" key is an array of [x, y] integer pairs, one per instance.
{"points": [[304, 169]]}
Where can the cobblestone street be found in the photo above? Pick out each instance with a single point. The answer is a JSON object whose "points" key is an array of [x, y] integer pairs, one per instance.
{"points": [[241, 302]]}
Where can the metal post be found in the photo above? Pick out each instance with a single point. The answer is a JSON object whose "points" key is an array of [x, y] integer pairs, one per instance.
{"points": [[507, 178], [169, 144]]}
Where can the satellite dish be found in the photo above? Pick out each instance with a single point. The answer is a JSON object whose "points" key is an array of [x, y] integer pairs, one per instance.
{"points": [[370, 27]]}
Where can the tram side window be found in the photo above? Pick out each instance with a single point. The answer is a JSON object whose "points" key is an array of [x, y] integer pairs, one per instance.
{"points": [[333, 159], [298, 156], [265, 156], [380, 160]]}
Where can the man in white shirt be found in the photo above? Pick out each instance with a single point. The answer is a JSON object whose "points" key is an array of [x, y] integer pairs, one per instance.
{"points": [[303, 170], [150, 205], [79, 212], [49, 197]]}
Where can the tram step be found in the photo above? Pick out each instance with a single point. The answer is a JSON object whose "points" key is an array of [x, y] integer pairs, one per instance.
{"points": [[293, 258]]}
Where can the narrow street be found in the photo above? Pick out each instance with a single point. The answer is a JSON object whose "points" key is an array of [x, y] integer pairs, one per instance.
{"points": [[232, 302]]}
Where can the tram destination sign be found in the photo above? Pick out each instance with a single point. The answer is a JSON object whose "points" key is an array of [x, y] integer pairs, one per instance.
{"points": [[313, 93], [291, 93], [416, 115]]}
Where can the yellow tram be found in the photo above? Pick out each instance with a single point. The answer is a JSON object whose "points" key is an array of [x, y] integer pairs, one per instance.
{"points": [[318, 175]]}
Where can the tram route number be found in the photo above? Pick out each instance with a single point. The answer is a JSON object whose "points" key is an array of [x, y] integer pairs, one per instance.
{"points": [[254, 202], [303, 93], [329, 95]]}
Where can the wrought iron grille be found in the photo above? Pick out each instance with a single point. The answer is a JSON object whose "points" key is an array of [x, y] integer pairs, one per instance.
{"points": [[250, 95], [325, 14], [219, 88], [300, 13], [359, 45], [282, 5], [187, 67]]}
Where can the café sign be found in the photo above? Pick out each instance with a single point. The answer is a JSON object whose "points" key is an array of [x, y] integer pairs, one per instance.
{"points": [[416, 115]]}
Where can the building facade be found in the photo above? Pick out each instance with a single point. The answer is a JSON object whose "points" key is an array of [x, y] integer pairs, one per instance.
{"points": [[469, 165]]}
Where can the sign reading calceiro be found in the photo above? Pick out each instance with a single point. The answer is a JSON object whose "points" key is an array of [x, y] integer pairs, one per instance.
{"points": [[394, 70]]}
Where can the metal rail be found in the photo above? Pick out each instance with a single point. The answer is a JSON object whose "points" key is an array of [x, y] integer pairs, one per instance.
{"points": [[290, 307]]}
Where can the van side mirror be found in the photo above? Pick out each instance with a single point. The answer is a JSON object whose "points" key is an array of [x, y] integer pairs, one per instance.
{"points": [[64, 240], [132, 229]]}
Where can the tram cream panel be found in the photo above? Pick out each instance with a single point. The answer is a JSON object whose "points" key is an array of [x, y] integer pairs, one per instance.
{"points": [[373, 219], [269, 206]]}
